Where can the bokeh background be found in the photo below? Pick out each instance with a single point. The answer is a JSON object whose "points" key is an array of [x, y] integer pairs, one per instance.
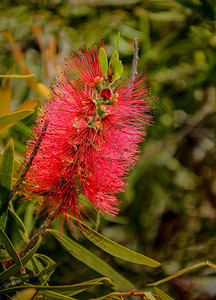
{"points": [[168, 210]]}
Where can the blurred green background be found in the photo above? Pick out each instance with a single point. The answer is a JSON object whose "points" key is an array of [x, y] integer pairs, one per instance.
{"points": [[168, 210]]}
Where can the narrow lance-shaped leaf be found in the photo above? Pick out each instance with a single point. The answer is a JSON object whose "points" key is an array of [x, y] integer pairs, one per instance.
{"points": [[5, 241], [94, 262], [181, 272], [19, 224], [103, 61], [66, 289], [5, 96], [53, 295], [115, 249], [16, 76], [6, 172], [15, 117], [162, 295], [14, 268]]}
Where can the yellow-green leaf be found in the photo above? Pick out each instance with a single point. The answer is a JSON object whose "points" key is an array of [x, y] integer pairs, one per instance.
{"points": [[103, 61], [27, 294], [16, 76], [94, 262], [14, 117], [162, 295], [6, 172], [181, 272], [44, 90], [118, 69], [16, 169], [115, 249], [5, 97], [64, 290]]}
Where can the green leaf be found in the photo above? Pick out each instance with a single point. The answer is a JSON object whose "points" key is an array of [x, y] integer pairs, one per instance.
{"points": [[14, 268], [113, 58], [117, 42], [4, 256], [15, 117], [19, 224], [53, 295], [112, 61], [6, 172], [91, 260], [118, 69], [103, 61], [16, 169], [181, 272], [162, 295], [65, 290], [16, 76], [5, 241], [45, 259], [201, 32], [149, 296], [115, 249], [37, 269]]}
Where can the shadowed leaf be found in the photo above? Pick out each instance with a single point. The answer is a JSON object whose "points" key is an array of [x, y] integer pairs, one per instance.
{"points": [[6, 172], [91, 260], [5, 241]]}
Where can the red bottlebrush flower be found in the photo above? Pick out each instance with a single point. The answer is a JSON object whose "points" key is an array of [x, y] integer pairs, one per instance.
{"points": [[91, 141], [85, 65]]}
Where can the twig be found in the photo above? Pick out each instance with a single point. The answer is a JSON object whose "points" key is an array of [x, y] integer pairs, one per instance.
{"points": [[28, 246], [10, 285], [135, 59], [29, 163]]}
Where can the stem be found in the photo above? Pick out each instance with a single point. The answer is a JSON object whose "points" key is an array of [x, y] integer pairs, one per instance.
{"points": [[35, 237], [29, 163], [135, 59]]}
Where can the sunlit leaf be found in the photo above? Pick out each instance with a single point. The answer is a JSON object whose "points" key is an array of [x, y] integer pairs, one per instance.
{"points": [[91, 260], [5, 241], [149, 296], [103, 61], [27, 294], [44, 90], [5, 97], [118, 69], [179, 273], [16, 76], [6, 171], [162, 295], [115, 249], [14, 117]]}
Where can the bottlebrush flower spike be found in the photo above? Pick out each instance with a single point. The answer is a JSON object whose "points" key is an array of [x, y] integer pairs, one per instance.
{"points": [[91, 142]]}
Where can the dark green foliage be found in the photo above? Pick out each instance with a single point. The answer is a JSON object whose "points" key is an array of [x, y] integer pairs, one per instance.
{"points": [[168, 211]]}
